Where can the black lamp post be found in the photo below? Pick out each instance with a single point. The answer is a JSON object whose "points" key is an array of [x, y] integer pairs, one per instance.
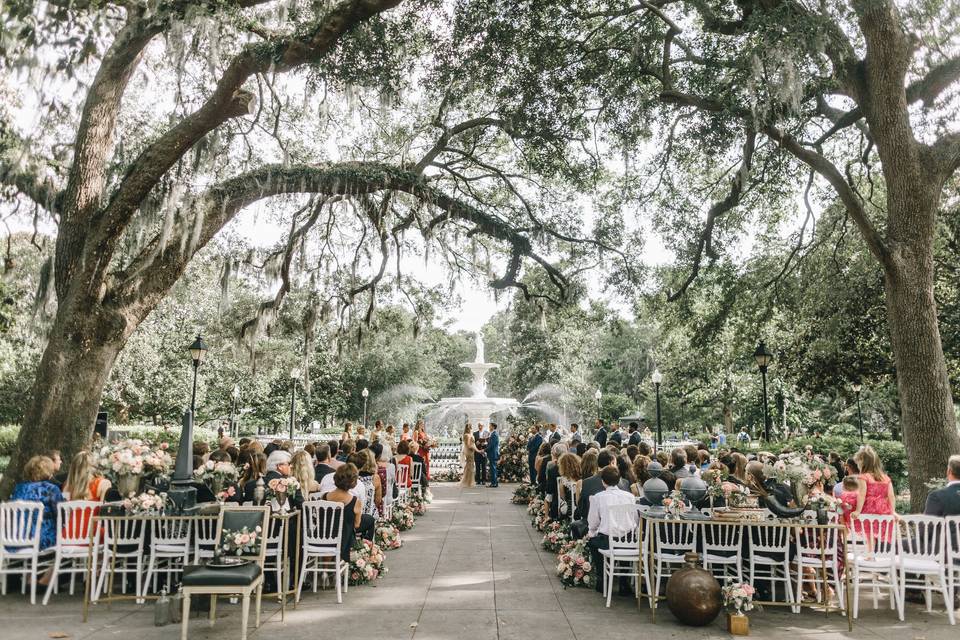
{"points": [[597, 396], [234, 398], [294, 377], [856, 386], [366, 394], [763, 358], [197, 351], [181, 493], [657, 379]]}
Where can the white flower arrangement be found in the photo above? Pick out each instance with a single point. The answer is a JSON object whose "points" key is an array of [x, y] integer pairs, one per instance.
{"points": [[738, 597], [216, 475], [573, 565], [149, 503], [366, 562], [388, 536], [403, 518], [132, 457], [240, 543]]}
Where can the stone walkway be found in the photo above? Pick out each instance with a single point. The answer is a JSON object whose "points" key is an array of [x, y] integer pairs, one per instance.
{"points": [[472, 569]]}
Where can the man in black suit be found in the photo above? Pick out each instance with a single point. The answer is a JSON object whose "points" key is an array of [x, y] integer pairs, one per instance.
{"points": [[322, 455], [601, 433], [533, 446], [946, 501], [479, 460], [634, 434], [590, 486], [616, 437], [553, 436]]}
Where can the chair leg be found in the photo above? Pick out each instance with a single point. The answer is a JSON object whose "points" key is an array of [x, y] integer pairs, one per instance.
{"points": [[244, 615], [257, 612], [35, 575], [303, 575], [185, 616], [608, 578], [213, 608], [53, 578], [856, 592], [339, 579], [901, 594]]}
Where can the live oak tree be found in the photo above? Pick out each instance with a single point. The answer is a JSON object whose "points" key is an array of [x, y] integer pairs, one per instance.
{"points": [[751, 105], [162, 120]]}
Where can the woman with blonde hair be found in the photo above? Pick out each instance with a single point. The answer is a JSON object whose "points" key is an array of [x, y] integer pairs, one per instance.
{"points": [[84, 481], [738, 470], [301, 468], [876, 495], [467, 451]]}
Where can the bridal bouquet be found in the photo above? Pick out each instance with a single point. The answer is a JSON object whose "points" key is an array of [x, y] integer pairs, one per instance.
{"points": [[402, 518], [523, 493], [556, 536], [573, 565], [366, 562], [216, 475], [149, 503], [738, 597], [240, 543], [388, 536]]}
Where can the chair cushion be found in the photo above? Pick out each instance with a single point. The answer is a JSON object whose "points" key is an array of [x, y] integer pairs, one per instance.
{"points": [[201, 576]]}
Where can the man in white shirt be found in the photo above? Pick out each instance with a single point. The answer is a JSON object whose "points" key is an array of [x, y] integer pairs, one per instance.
{"points": [[598, 521]]}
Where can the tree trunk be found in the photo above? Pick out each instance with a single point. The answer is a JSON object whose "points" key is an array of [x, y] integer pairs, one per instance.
{"points": [[926, 403], [63, 403]]}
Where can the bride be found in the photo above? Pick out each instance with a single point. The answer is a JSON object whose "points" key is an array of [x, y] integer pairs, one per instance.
{"points": [[466, 457]]}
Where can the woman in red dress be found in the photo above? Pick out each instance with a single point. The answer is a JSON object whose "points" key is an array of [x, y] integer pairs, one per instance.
{"points": [[421, 437], [876, 494]]}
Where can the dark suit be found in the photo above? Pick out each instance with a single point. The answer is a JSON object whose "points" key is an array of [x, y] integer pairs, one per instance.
{"points": [[944, 502], [555, 438], [479, 461], [616, 438], [321, 470], [601, 437], [553, 472], [533, 446], [493, 455], [634, 438]]}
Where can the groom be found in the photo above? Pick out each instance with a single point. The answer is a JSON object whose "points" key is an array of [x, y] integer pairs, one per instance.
{"points": [[493, 454], [479, 458]]}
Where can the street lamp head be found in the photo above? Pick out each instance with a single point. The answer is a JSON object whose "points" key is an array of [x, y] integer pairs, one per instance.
{"points": [[856, 386], [365, 393], [295, 374], [762, 356], [198, 350], [236, 392], [598, 395], [656, 377]]}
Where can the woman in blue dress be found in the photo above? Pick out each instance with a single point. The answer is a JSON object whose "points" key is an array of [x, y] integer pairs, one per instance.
{"points": [[37, 486]]}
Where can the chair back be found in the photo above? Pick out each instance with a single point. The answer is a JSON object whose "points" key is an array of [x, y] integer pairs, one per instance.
{"points": [[674, 536], [254, 521], [921, 538], [952, 543], [417, 473], [20, 522], [74, 522], [874, 536], [766, 540], [817, 542], [624, 526], [315, 495], [403, 475], [170, 535], [206, 536], [721, 539], [124, 533], [323, 525]]}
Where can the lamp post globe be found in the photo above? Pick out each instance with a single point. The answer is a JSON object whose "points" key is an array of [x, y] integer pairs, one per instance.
{"points": [[657, 378], [294, 378], [857, 386], [597, 396], [763, 358], [366, 394]]}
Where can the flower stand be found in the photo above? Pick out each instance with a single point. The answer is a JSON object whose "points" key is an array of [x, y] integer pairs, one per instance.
{"points": [[738, 624]]}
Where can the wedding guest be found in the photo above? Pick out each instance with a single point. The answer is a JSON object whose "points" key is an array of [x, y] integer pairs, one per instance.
{"points": [[946, 501], [663, 458], [640, 473], [626, 471], [347, 432], [773, 495], [387, 472], [616, 436], [37, 486], [59, 473], [403, 458], [598, 521], [678, 463], [225, 443], [255, 469], [849, 495], [278, 465], [693, 457], [543, 456], [345, 480], [632, 452], [575, 436], [416, 457], [370, 480], [582, 448], [634, 437], [644, 449], [588, 466], [201, 449], [346, 448], [493, 455], [568, 468], [552, 474], [669, 479], [289, 446], [533, 446], [360, 444], [588, 488], [704, 460], [876, 489], [601, 433], [234, 454], [302, 469], [738, 468], [84, 481], [334, 461], [850, 468], [322, 468]]}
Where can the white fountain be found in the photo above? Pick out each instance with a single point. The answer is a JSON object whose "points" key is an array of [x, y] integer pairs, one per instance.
{"points": [[478, 407]]}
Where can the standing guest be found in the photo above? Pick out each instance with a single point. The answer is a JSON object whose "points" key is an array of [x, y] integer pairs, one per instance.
{"points": [[616, 436], [347, 432], [598, 521], [601, 433], [83, 481], [334, 461], [322, 468], [37, 486], [301, 468], [533, 446], [575, 437], [553, 436], [493, 455], [387, 472], [255, 469], [946, 501], [634, 430], [404, 432], [479, 459], [423, 440], [876, 489], [543, 457]]}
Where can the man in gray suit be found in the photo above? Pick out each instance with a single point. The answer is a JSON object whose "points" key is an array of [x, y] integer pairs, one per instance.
{"points": [[591, 486]]}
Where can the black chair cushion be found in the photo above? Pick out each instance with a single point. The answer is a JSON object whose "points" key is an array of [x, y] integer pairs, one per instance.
{"points": [[201, 576]]}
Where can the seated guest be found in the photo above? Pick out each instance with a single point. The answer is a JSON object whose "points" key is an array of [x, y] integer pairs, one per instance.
{"points": [[302, 469], [403, 459], [369, 477], [644, 449], [626, 472], [678, 464], [599, 525], [738, 469], [582, 448], [387, 472], [254, 470], [632, 452], [588, 468], [234, 454], [640, 473], [850, 469], [322, 455], [774, 495], [37, 486], [416, 457], [588, 488], [278, 465], [540, 466], [946, 501], [243, 442], [361, 443], [334, 462], [346, 448], [552, 473], [59, 473], [84, 481], [669, 479], [345, 480], [568, 467]]}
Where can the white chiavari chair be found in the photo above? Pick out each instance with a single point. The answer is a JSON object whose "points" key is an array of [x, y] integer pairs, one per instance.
{"points": [[170, 541], [322, 538], [621, 557], [123, 541], [872, 558], [769, 559], [73, 549], [921, 556], [20, 553]]}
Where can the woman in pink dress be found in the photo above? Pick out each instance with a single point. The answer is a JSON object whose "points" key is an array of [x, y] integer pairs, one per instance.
{"points": [[876, 490]]}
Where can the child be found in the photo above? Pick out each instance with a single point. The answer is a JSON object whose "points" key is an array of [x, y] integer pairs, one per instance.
{"points": [[848, 498]]}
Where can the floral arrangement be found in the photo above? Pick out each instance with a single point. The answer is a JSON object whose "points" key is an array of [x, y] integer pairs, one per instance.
{"points": [[513, 455], [216, 475], [287, 485], [541, 521], [402, 518], [417, 504], [820, 500], [226, 494], [388, 536], [674, 503], [151, 503], [133, 457], [573, 565], [737, 495], [535, 505], [738, 597], [524, 493], [366, 562], [452, 473], [240, 543], [817, 471], [788, 468], [556, 535]]}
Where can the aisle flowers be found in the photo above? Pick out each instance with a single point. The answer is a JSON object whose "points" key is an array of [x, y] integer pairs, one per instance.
{"points": [[149, 503], [240, 543], [738, 597], [388, 536], [541, 521], [366, 562], [417, 504], [573, 565], [556, 536], [402, 518], [523, 493], [535, 505], [513, 456]]}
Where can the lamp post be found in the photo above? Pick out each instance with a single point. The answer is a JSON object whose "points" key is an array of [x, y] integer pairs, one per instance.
{"points": [[763, 358], [234, 398], [181, 493], [657, 379], [856, 386], [366, 394], [597, 396], [197, 351], [294, 377]]}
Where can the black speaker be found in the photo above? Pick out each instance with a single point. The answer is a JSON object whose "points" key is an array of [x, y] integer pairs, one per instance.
{"points": [[101, 425]]}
